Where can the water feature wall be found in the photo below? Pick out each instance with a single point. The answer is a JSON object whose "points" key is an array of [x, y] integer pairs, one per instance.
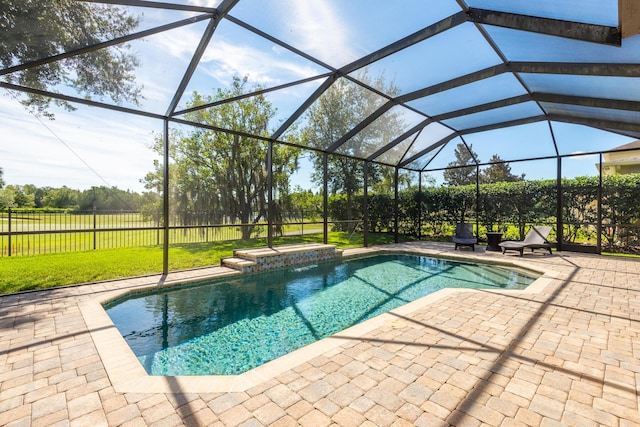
{"points": [[265, 259]]}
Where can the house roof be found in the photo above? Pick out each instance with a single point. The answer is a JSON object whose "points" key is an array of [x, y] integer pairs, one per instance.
{"points": [[632, 145]]}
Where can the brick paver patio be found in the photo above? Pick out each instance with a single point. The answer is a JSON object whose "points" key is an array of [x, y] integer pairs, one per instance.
{"points": [[568, 355]]}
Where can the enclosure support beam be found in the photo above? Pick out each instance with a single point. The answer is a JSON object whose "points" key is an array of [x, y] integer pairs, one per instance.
{"points": [[559, 192], [607, 125], [599, 220], [270, 194], [477, 201], [395, 205], [410, 40], [414, 131], [97, 46], [500, 125], [195, 60], [483, 107], [576, 68], [453, 83], [359, 127], [305, 105], [365, 202], [553, 27], [433, 146], [165, 199], [559, 195], [325, 199], [585, 101], [81, 101], [420, 205]]}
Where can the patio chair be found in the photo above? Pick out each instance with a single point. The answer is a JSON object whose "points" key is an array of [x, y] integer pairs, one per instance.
{"points": [[464, 236], [536, 238]]}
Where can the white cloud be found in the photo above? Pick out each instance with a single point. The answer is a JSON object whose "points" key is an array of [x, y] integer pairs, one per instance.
{"points": [[168, 57], [581, 156], [320, 29], [205, 3], [180, 44], [225, 60]]}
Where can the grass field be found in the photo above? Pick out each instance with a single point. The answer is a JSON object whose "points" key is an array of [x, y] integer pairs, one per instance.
{"points": [[46, 271]]}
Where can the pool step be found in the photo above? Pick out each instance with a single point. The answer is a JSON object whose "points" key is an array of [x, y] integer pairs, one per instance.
{"points": [[237, 263], [265, 259]]}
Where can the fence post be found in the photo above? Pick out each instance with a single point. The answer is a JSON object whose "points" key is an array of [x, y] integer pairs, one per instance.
{"points": [[94, 228], [9, 218]]}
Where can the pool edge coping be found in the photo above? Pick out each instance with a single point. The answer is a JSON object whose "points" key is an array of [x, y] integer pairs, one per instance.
{"points": [[127, 374]]}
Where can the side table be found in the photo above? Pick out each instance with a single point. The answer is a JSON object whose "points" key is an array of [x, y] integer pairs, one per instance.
{"points": [[493, 239]]}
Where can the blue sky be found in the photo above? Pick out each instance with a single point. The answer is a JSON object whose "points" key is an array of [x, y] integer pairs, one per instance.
{"points": [[91, 146]]}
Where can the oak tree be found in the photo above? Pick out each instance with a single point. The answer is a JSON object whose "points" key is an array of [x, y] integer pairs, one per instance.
{"points": [[217, 175], [36, 30]]}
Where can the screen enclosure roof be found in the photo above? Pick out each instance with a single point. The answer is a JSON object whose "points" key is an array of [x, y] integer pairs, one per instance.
{"points": [[433, 74]]}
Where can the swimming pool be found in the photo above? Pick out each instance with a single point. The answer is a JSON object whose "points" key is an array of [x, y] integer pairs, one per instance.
{"points": [[229, 326]]}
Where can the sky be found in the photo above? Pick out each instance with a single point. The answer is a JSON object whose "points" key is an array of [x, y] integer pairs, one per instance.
{"points": [[92, 147]]}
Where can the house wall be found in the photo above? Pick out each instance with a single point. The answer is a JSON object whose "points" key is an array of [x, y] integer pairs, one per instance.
{"points": [[621, 163]]}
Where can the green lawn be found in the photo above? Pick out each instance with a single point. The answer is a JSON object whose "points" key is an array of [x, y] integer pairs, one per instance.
{"points": [[21, 273]]}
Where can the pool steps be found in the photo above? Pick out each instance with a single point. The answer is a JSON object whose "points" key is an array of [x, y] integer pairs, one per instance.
{"points": [[264, 259]]}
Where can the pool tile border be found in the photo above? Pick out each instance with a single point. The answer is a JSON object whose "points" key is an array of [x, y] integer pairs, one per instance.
{"points": [[127, 374]]}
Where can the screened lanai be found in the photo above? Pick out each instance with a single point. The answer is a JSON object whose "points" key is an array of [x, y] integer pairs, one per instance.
{"points": [[118, 90]]}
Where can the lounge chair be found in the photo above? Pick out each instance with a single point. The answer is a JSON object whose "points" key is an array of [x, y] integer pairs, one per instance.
{"points": [[464, 236], [536, 238]]}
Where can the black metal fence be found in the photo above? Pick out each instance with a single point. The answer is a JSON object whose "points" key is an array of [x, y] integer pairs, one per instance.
{"points": [[36, 232]]}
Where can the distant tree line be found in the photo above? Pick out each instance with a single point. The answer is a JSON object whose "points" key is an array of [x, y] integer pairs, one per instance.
{"points": [[99, 198]]}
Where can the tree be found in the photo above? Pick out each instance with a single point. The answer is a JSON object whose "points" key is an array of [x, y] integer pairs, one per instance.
{"points": [[15, 196], [226, 173], [34, 30], [1, 180], [61, 198], [342, 107], [301, 199], [498, 171], [456, 175], [38, 193], [101, 198], [6, 198], [387, 178]]}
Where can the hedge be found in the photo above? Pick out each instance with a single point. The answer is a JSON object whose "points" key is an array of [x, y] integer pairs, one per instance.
{"points": [[509, 207]]}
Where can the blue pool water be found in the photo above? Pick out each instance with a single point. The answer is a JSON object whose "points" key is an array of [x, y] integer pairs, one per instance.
{"points": [[231, 325]]}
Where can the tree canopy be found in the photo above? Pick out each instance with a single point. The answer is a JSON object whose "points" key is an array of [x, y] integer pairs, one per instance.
{"points": [[45, 28], [220, 173], [498, 170], [457, 175], [340, 109]]}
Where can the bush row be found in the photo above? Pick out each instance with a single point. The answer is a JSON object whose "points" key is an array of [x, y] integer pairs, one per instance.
{"points": [[509, 207]]}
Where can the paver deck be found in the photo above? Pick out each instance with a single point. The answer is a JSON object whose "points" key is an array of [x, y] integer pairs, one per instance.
{"points": [[564, 353]]}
